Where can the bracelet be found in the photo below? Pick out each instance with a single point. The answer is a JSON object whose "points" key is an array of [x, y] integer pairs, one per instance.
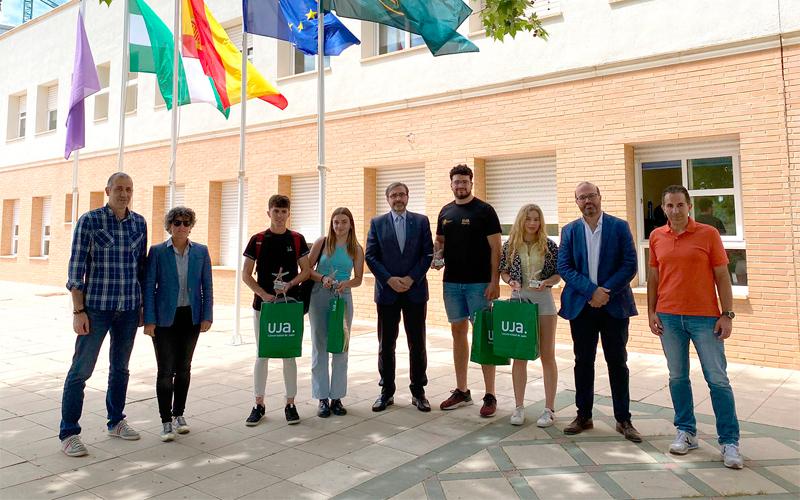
{"points": [[79, 311]]}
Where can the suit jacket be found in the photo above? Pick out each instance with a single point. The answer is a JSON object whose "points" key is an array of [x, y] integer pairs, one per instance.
{"points": [[161, 285], [385, 259], [616, 268]]}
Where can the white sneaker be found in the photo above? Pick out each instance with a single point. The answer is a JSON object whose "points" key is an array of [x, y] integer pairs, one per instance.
{"points": [[546, 419], [731, 456], [518, 417], [72, 446], [167, 432], [683, 443], [124, 431], [180, 425]]}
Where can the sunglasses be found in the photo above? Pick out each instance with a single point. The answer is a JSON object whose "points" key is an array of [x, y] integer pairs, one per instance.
{"points": [[178, 223]]}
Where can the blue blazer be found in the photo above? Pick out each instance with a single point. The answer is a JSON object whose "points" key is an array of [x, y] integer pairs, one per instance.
{"points": [[385, 259], [161, 285], [616, 268]]}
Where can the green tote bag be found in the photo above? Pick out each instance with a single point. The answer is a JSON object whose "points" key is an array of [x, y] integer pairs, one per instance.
{"points": [[281, 330], [482, 345], [516, 329], [338, 331]]}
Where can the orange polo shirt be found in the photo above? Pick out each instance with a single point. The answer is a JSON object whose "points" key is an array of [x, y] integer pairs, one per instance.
{"points": [[686, 265]]}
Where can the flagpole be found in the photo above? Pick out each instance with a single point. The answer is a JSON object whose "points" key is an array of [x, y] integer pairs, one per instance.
{"points": [[237, 335], [175, 102], [321, 116], [124, 97], [76, 153]]}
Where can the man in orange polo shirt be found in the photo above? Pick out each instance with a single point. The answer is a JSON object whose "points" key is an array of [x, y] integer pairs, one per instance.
{"points": [[688, 268]]}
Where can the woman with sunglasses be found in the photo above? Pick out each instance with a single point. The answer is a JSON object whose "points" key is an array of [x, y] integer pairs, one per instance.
{"points": [[178, 305]]}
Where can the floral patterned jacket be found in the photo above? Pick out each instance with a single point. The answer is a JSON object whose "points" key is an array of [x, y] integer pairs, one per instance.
{"points": [[514, 269]]}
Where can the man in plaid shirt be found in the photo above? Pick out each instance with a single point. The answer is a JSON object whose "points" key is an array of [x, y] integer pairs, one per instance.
{"points": [[106, 267]]}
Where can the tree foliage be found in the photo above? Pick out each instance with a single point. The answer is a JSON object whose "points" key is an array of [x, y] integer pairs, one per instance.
{"points": [[507, 17]]}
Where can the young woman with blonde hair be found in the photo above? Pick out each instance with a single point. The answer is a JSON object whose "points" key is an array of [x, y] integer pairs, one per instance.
{"points": [[528, 265], [334, 259]]}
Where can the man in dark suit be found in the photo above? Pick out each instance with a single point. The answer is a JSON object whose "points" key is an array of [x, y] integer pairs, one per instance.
{"points": [[399, 252], [597, 260]]}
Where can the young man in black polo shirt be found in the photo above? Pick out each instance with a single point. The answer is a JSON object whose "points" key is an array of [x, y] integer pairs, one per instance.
{"points": [[468, 238], [274, 253]]}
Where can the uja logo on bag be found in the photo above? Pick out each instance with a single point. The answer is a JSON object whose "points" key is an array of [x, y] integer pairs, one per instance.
{"points": [[513, 329], [279, 329]]}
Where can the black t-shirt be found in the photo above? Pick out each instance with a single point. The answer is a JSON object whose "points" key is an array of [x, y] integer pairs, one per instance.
{"points": [[278, 253], [467, 255]]}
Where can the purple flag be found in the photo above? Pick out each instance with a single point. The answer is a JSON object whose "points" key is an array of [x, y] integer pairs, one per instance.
{"points": [[84, 83]]}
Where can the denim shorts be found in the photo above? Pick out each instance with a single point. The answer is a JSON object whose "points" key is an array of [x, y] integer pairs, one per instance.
{"points": [[463, 300]]}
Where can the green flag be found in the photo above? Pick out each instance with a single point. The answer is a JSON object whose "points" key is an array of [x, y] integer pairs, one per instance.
{"points": [[436, 21], [152, 50]]}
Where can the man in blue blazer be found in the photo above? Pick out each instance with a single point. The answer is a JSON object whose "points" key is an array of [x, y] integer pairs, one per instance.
{"points": [[399, 252], [597, 260]]}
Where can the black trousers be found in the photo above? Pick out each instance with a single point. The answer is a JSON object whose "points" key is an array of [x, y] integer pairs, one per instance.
{"points": [[174, 347], [414, 315], [613, 332]]}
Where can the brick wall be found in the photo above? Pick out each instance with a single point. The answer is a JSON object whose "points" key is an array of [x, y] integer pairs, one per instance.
{"points": [[591, 125]]}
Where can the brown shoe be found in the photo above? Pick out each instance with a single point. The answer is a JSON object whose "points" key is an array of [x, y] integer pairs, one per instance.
{"points": [[626, 429], [578, 425]]}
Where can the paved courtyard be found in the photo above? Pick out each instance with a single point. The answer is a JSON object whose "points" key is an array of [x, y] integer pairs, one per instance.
{"points": [[400, 453]]}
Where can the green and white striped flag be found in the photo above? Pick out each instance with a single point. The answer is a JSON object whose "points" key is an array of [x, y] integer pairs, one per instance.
{"points": [[152, 49]]}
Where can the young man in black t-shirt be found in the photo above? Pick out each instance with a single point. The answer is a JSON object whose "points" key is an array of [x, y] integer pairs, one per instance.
{"points": [[468, 238], [274, 254]]}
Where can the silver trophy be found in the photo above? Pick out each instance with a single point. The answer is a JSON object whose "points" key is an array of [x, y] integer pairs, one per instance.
{"points": [[438, 258], [535, 282], [278, 283]]}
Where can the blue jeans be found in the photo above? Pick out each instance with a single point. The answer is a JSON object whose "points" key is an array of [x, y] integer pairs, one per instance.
{"points": [[678, 331], [463, 300], [122, 325], [323, 385]]}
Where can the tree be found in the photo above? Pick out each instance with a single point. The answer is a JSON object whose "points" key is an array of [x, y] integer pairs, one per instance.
{"points": [[507, 17]]}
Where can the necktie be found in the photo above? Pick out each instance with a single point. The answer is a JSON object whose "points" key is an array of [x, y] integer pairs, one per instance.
{"points": [[400, 230]]}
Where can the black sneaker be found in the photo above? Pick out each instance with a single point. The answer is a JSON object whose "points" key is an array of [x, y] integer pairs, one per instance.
{"points": [[337, 408], [324, 410], [255, 416], [291, 414]]}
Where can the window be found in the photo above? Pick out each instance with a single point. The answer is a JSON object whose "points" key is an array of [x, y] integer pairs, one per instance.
{"points": [[46, 108], [229, 222], [304, 63], [294, 62], [304, 215], [234, 32], [15, 228], [131, 93], [52, 107], [512, 183], [68, 208], [413, 177], [23, 115], [710, 171], [392, 39], [17, 116], [101, 97], [45, 205]]}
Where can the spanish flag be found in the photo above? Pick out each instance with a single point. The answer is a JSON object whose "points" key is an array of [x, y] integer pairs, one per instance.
{"points": [[205, 41]]}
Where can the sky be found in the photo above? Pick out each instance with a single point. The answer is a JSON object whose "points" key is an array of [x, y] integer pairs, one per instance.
{"points": [[12, 11]]}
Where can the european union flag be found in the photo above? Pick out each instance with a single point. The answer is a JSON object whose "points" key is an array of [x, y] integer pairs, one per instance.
{"points": [[296, 22]]}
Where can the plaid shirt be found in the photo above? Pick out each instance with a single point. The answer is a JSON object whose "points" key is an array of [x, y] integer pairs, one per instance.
{"points": [[107, 261]]}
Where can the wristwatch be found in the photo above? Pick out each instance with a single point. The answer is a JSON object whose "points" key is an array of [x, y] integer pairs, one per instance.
{"points": [[729, 314], [79, 311]]}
